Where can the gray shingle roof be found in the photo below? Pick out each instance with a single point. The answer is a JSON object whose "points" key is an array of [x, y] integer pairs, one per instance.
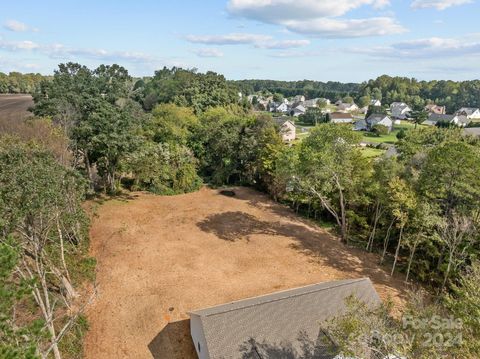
{"points": [[278, 319]]}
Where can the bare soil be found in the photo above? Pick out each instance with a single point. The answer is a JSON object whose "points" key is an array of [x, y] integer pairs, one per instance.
{"points": [[160, 257], [15, 107]]}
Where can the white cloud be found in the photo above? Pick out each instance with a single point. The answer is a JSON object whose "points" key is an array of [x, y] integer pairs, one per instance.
{"points": [[433, 48], [60, 51], [438, 4], [229, 39], [17, 26], [318, 18], [346, 28], [208, 52], [278, 11], [257, 40], [282, 44]]}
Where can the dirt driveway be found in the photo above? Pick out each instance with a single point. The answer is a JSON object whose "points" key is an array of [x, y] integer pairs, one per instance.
{"points": [[160, 257], [15, 107]]}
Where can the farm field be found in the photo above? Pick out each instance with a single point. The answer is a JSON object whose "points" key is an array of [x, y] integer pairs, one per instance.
{"points": [[15, 107], [160, 257]]}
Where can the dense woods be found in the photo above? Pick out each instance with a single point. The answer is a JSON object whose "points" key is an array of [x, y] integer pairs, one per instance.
{"points": [[168, 134]]}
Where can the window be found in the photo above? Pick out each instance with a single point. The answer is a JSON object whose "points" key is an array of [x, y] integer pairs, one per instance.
{"points": [[198, 346]]}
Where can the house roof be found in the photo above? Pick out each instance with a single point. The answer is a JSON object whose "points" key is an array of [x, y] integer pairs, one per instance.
{"points": [[468, 111], [281, 120], [278, 318], [377, 117], [435, 117], [340, 115]]}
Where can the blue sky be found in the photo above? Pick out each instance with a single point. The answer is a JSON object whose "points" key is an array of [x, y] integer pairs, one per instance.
{"points": [[337, 40]]}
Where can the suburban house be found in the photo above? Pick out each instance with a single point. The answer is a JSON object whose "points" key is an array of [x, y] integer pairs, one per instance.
{"points": [[310, 103], [470, 112], [246, 328], [432, 108], [400, 110], [341, 117], [298, 110], [376, 103], [298, 98], [288, 131], [283, 107], [372, 121], [457, 120], [347, 107]]}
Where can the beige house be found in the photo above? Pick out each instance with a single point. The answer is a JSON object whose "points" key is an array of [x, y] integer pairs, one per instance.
{"points": [[288, 131]]}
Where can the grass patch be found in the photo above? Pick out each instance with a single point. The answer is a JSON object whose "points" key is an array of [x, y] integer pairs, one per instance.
{"points": [[369, 152], [390, 138]]}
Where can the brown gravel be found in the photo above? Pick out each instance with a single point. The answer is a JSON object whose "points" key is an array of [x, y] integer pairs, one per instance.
{"points": [[160, 257]]}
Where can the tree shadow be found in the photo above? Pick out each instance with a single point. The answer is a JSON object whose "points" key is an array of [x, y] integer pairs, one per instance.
{"points": [[173, 342], [232, 226], [307, 239]]}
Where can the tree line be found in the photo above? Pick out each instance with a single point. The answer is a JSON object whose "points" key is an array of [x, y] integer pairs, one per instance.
{"points": [[18, 83], [96, 131]]}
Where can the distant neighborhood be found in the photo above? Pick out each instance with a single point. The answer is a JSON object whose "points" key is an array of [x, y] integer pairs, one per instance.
{"points": [[375, 116]]}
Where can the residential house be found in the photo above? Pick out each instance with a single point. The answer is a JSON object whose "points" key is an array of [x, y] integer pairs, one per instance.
{"points": [[470, 112], [375, 103], [400, 110], [457, 120], [287, 319], [298, 110], [298, 98], [283, 107], [372, 121], [288, 131], [347, 107], [436, 109], [341, 117], [310, 103]]}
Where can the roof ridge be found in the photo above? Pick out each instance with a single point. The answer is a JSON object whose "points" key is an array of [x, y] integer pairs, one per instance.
{"points": [[332, 285]]}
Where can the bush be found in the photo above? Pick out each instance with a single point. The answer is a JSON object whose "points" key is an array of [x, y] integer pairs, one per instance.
{"points": [[163, 168], [401, 134], [380, 130]]}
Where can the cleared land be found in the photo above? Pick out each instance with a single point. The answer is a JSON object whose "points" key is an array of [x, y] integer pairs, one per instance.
{"points": [[15, 107], [160, 257]]}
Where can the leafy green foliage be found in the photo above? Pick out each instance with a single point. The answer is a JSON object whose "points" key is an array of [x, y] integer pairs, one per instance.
{"points": [[313, 116], [188, 88]]}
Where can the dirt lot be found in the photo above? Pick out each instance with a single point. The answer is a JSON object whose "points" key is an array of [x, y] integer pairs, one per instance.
{"points": [[160, 257], [15, 107]]}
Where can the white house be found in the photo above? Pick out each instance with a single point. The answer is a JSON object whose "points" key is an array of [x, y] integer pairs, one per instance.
{"points": [[243, 329], [283, 107], [310, 103], [457, 120], [470, 112], [347, 107], [341, 117], [376, 103], [288, 131], [297, 111], [372, 121], [298, 98], [400, 110]]}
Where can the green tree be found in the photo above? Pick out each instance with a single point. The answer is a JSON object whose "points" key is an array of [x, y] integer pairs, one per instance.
{"points": [[331, 169], [419, 117]]}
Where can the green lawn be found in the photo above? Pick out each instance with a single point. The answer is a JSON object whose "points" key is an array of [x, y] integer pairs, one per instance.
{"points": [[369, 152], [390, 138]]}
